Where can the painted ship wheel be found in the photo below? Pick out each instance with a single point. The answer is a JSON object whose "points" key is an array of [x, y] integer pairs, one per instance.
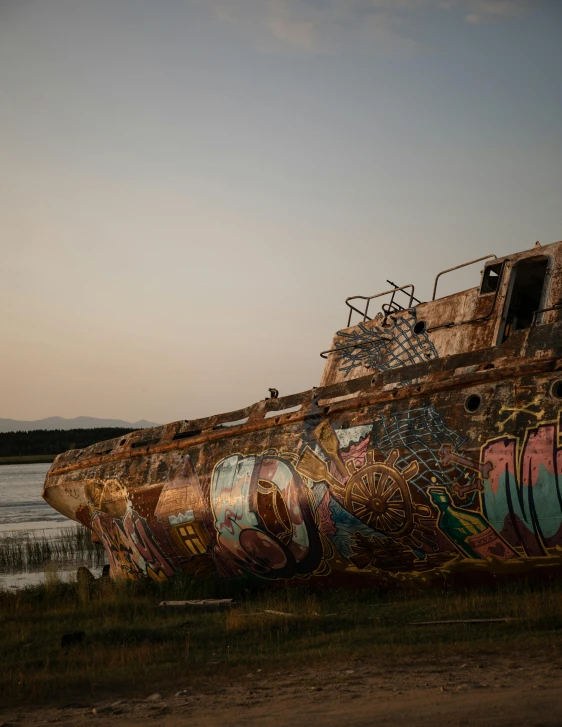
{"points": [[378, 495]]}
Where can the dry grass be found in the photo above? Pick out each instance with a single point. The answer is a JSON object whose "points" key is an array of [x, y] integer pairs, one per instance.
{"points": [[133, 648]]}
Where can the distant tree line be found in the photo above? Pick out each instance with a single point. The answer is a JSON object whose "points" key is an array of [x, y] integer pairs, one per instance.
{"points": [[54, 441]]}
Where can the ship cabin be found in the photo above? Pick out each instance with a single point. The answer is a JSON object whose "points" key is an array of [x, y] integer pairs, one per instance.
{"points": [[512, 313]]}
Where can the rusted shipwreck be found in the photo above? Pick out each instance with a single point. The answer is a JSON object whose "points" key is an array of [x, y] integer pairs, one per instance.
{"points": [[431, 450]]}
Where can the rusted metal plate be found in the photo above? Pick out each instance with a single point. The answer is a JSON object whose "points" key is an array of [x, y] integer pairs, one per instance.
{"points": [[441, 462]]}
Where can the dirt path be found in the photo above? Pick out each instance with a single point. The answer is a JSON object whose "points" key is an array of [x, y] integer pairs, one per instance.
{"points": [[516, 690]]}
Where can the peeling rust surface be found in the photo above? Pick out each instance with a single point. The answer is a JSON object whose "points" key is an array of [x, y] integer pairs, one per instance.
{"points": [[431, 453]]}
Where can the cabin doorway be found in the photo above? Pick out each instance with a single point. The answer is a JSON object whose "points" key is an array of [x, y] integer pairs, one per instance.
{"points": [[525, 295]]}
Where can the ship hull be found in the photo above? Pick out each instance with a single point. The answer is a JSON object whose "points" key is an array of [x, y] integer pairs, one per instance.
{"points": [[450, 471]]}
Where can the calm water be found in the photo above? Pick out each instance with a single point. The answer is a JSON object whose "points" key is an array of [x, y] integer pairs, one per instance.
{"points": [[21, 504], [22, 509]]}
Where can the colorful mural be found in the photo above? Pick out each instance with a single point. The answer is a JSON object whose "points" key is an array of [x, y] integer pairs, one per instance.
{"points": [[396, 495], [130, 543], [522, 496], [263, 517]]}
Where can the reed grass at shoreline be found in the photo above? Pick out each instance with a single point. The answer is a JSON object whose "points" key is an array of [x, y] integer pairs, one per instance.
{"points": [[25, 550]]}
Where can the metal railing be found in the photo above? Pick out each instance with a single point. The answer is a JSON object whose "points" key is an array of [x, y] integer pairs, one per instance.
{"points": [[388, 308], [558, 306], [457, 267]]}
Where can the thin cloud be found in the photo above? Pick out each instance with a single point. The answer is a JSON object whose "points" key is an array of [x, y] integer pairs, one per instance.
{"points": [[482, 11], [324, 25]]}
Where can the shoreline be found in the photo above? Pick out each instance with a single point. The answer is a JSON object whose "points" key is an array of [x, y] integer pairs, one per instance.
{"points": [[29, 459]]}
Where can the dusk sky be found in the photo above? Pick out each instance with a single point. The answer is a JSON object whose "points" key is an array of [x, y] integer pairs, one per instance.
{"points": [[189, 189]]}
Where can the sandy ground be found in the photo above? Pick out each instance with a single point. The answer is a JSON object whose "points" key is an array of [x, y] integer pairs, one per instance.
{"points": [[514, 690]]}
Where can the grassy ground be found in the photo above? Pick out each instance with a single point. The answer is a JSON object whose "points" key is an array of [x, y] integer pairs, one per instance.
{"points": [[133, 648], [28, 459]]}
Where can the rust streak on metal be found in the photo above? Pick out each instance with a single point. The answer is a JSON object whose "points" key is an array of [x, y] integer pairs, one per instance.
{"points": [[403, 392]]}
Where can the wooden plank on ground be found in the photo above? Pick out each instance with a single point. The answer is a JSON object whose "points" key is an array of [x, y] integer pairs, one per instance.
{"points": [[461, 621], [205, 604]]}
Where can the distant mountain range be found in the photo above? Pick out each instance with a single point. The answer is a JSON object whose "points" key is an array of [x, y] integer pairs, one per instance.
{"points": [[14, 425]]}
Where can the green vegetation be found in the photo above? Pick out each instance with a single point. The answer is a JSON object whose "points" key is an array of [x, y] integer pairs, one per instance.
{"points": [[133, 648], [28, 459], [52, 442]]}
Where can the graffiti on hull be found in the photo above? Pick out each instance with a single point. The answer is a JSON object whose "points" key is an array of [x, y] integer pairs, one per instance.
{"points": [[263, 517], [523, 495], [395, 342], [397, 495], [130, 543]]}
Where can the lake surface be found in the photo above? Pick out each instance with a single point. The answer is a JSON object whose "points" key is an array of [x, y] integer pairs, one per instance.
{"points": [[24, 513], [21, 504]]}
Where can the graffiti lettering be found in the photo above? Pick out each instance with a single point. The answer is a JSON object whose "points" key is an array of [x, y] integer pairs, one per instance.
{"points": [[130, 546]]}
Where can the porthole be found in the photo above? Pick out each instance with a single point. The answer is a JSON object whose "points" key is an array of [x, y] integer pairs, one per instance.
{"points": [[556, 390], [472, 403], [419, 328]]}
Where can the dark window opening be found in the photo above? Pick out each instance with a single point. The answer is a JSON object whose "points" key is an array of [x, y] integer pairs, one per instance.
{"points": [[145, 443], [472, 403], [491, 279], [186, 435], [526, 294]]}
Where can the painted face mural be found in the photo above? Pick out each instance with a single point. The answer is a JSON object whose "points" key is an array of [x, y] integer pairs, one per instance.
{"points": [[396, 495]]}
